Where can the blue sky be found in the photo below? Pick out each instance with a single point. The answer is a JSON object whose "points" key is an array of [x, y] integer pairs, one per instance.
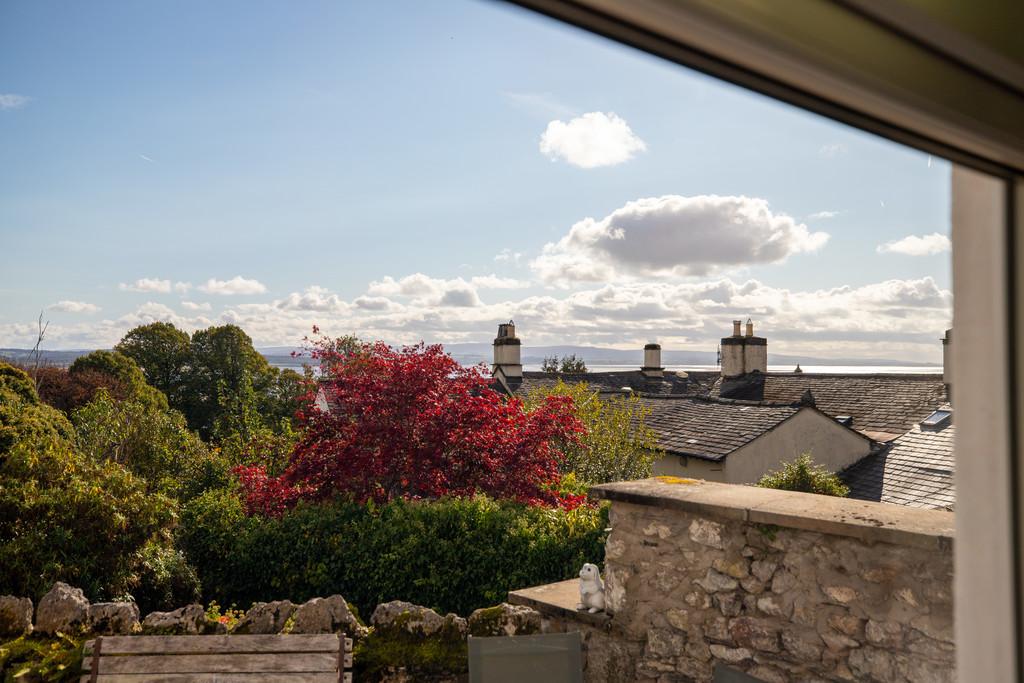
{"points": [[391, 169]]}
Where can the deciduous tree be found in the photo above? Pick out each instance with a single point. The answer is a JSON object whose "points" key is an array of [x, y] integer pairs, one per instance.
{"points": [[413, 423]]}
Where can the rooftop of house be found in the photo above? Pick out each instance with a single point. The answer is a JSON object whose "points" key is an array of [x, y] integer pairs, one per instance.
{"points": [[707, 429], [916, 470], [671, 383], [882, 406]]}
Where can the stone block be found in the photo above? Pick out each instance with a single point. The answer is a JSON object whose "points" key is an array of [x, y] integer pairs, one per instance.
{"points": [[15, 616], [327, 615], [504, 620], [63, 610], [755, 634], [114, 618], [186, 621]]}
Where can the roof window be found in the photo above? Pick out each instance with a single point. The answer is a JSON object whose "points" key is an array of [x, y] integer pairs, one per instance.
{"points": [[938, 419]]}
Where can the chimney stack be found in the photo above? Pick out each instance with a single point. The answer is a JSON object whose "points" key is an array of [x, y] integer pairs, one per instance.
{"points": [[507, 351], [652, 361], [744, 354]]}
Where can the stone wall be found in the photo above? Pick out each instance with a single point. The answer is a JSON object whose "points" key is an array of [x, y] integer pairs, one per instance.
{"points": [[784, 586]]}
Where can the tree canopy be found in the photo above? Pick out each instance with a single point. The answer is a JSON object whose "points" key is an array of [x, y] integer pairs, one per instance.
{"points": [[413, 423]]}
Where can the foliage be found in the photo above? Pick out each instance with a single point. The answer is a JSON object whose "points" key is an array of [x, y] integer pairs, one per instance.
{"points": [[440, 654], [803, 475], [164, 579], [451, 554], [122, 369], [414, 423], [153, 443], [64, 516], [41, 658], [162, 351], [568, 364], [616, 443], [67, 392]]}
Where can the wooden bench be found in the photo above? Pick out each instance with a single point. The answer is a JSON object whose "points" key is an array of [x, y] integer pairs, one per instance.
{"points": [[218, 659]]}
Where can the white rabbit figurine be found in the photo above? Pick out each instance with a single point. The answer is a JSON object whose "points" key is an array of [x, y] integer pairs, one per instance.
{"points": [[591, 589]]}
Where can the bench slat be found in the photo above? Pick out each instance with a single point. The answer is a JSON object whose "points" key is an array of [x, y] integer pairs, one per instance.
{"points": [[138, 645], [313, 662], [222, 678]]}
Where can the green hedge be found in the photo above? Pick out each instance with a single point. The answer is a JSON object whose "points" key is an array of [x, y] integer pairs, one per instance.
{"points": [[453, 555]]}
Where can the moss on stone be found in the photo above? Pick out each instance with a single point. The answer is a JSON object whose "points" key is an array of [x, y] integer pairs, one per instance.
{"points": [[444, 652], [487, 621], [50, 658]]}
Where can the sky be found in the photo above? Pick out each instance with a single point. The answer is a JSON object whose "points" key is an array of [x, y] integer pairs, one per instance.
{"points": [[414, 171]]}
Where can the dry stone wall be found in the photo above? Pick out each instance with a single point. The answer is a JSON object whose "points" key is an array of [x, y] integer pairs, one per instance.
{"points": [[696, 585]]}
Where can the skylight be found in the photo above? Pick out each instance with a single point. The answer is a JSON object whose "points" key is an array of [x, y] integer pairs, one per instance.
{"points": [[937, 419]]}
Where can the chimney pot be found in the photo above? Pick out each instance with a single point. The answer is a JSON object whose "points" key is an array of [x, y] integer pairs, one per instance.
{"points": [[652, 361], [750, 328], [736, 327]]}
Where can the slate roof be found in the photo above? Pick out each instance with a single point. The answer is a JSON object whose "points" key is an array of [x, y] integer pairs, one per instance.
{"points": [[671, 384], [917, 471], [710, 430], [882, 406]]}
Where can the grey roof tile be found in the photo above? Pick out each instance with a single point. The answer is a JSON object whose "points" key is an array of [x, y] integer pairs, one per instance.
{"points": [[916, 470]]}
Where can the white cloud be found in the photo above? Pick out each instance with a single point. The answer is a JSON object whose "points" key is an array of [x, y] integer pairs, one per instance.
{"points": [[315, 298], [822, 215], [196, 306], [506, 255], [147, 284], [592, 140], [914, 245], [13, 101], [674, 235], [495, 282], [832, 150], [153, 284], [423, 290], [234, 286], [74, 307], [892, 318]]}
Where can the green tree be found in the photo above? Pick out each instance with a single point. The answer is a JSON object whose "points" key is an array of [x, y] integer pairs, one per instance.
{"points": [[803, 475], [124, 370], [618, 444], [162, 351], [572, 364], [223, 361], [64, 516], [153, 443], [567, 364]]}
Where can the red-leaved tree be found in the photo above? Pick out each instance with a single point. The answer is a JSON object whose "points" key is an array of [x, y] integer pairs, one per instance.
{"points": [[413, 423]]}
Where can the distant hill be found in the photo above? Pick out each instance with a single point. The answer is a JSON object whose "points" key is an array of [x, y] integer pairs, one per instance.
{"points": [[472, 353]]}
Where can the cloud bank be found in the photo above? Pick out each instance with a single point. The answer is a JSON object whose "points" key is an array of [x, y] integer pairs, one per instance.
{"points": [[674, 236]]}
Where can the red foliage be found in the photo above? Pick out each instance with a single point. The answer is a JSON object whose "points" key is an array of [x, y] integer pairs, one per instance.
{"points": [[67, 391], [413, 423]]}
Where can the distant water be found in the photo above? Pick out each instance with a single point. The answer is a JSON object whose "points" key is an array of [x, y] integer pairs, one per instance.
{"points": [[835, 369], [297, 363]]}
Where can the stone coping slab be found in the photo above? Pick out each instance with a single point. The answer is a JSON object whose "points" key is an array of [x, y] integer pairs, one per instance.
{"points": [[865, 520], [557, 600]]}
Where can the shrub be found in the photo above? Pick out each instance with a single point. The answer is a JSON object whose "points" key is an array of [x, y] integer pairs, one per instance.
{"points": [[152, 442], [63, 516], [803, 475], [616, 444], [450, 554], [164, 579]]}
